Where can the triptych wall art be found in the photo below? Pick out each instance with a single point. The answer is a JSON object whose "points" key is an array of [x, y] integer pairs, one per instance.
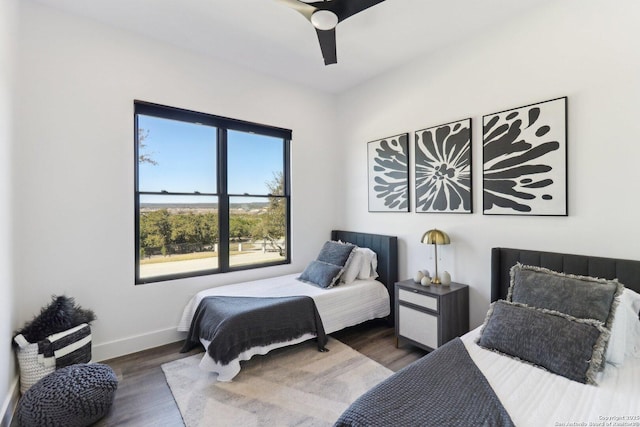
{"points": [[443, 168], [388, 160], [525, 160], [524, 165]]}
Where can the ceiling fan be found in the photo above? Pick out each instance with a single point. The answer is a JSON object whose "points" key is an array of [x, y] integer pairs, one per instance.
{"points": [[325, 15]]}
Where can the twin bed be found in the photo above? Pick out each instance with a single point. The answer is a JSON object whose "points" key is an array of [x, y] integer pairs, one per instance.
{"points": [[338, 307], [465, 383]]}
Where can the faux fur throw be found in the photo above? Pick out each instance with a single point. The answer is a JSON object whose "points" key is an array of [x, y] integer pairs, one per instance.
{"points": [[61, 314]]}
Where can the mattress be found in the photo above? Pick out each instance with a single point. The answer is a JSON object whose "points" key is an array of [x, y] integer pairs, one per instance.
{"points": [[535, 397], [339, 307]]}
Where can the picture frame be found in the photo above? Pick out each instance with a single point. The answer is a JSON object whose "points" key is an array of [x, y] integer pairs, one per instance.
{"points": [[443, 169], [525, 160], [388, 174]]}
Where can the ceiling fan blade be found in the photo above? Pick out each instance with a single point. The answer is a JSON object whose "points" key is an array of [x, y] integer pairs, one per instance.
{"points": [[342, 9], [304, 8], [327, 39]]}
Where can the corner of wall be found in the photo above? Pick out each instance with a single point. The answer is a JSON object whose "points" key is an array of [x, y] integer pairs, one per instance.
{"points": [[10, 403]]}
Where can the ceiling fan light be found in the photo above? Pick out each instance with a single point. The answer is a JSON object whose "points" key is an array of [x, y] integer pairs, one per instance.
{"points": [[324, 20]]}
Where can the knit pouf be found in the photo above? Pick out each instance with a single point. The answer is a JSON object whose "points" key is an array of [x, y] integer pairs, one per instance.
{"points": [[76, 395]]}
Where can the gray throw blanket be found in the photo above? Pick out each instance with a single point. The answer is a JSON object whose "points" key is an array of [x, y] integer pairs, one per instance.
{"points": [[444, 388], [236, 324]]}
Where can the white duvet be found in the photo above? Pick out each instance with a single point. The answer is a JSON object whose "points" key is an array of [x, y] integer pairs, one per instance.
{"points": [[338, 307], [534, 397]]}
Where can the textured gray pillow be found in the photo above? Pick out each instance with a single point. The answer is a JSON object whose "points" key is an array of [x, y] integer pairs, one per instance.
{"points": [[574, 350], [336, 253], [578, 296], [321, 274]]}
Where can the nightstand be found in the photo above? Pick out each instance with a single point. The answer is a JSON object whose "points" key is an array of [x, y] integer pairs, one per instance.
{"points": [[429, 316]]}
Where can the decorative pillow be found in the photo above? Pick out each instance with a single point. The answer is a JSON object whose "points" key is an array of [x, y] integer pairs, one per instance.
{"points": [[336, 253], [578, 296], [321, 274], [60, 315], [574, 350]]}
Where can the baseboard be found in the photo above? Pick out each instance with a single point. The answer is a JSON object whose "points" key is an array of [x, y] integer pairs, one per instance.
{"points": [[133, 344], [9, 404]]}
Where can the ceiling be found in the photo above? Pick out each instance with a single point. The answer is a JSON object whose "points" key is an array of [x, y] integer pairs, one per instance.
{"points": [[271, 38]]}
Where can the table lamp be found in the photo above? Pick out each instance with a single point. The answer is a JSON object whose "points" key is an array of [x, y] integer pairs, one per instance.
{"points": [[435, 237]]}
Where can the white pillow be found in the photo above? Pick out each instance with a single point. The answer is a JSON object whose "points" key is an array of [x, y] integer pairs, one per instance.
{"points": [[625, 330], [633, 325], [368, 269], [353, 266], [362, 265], [633, 298]]}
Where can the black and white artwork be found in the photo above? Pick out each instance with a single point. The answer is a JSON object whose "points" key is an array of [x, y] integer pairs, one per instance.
{"points": [[443, 168], [525, 160], [388, 164]]}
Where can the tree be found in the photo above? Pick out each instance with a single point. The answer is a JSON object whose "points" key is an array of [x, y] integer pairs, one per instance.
{"points": [[273, 226], [242, 226], [155, 229], [143, 157]]}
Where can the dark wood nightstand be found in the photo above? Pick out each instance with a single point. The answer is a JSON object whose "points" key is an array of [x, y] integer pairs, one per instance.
{"points": [[429, 316]]}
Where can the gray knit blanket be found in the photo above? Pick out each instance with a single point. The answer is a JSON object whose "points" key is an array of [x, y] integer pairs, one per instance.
{"points": [[236, 324], [444, 388]]}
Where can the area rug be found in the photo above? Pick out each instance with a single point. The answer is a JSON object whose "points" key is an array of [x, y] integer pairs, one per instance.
{"points": [[292, 386]]}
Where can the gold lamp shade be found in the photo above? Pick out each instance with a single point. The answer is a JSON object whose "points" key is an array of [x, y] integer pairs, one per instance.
{"points": [[436, 237]]}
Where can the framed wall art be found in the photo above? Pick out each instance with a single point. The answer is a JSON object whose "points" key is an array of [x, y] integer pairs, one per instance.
{"points": [[443, 168], [388, 174], [525, 160]]}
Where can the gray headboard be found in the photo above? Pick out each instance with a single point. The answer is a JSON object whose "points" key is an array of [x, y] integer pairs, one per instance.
{"points": [[387, 249], [502, 259]]}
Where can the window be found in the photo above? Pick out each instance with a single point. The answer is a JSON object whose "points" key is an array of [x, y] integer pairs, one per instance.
{"points": [[211, 196]]}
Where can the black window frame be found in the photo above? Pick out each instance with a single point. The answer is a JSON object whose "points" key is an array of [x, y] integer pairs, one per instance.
{"points": [[222, 125]]}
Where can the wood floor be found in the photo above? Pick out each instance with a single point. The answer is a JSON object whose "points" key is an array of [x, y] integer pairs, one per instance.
{"points": [[144, 399]]}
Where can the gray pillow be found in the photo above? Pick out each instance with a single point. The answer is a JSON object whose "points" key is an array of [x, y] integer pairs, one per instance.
{"points": [[321, 274], [578, 296], [336, 253], [574, 350]]}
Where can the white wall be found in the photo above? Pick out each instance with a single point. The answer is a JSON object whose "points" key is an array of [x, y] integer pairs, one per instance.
{"points": [[587, 50], [8, 322], [76, 81], [75, 206]]}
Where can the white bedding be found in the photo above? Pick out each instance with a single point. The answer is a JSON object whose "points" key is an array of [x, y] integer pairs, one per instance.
{"points": [[535, 397], [338, 307]]}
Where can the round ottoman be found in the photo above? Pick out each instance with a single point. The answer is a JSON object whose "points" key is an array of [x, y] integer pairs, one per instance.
{"points": [[76, 395]]}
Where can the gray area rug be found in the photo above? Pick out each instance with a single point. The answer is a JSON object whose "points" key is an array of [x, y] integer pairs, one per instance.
{"points": [[293, 386]]}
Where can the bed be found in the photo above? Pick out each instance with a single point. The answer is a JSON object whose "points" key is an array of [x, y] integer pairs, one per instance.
{"points": [[231, 335], [472, 381]]}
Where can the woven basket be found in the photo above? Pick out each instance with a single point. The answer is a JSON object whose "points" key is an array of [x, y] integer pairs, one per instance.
{"points": [[37, 360], [31, 370]]}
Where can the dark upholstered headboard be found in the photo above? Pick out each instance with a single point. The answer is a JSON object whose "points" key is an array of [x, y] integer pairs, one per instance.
{"points": [[387, 249], [502, 259]]}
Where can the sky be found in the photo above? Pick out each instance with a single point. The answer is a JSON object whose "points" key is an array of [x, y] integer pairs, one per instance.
{"points": [[185, 154]]}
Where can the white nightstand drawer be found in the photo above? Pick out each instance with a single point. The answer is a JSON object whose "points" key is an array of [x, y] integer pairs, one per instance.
{"points": [[418, 326], [422, 300]]}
